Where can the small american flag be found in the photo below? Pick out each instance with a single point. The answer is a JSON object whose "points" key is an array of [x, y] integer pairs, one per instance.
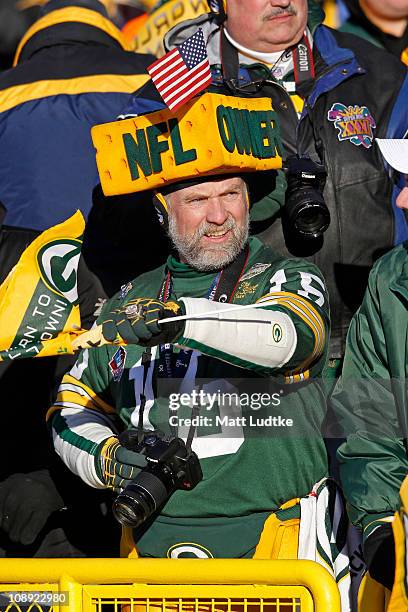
{"points": [[182, 72]]}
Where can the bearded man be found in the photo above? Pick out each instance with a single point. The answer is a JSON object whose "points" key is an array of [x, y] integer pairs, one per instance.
{"points": [[270, 329]]}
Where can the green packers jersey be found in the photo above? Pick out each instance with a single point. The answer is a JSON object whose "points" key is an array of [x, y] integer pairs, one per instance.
{"points": [[254, 457]]}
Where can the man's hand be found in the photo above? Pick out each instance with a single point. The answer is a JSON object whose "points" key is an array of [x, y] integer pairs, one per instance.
{"points": [[117, 466], [137, 322], [26, 503]]}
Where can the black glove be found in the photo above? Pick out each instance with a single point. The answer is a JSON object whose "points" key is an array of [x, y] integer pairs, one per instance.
{"points": [[137, 322], [379, 555], [26, 503], [117, 466]]}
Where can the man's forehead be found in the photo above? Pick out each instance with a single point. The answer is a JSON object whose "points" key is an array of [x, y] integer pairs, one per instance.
{"points": [[209, 187]]}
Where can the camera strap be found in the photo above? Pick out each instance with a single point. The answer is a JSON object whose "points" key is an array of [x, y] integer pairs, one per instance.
{"points": [[303, 63], [302, 55], [229, 62]]}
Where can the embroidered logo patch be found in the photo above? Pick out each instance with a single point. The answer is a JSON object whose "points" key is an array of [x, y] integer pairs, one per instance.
{"points": [[354, 123], [117, 364], [256, 269], [244, 289]]}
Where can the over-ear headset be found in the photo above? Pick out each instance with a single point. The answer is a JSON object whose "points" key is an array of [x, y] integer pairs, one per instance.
{"points": [[219, 9]]}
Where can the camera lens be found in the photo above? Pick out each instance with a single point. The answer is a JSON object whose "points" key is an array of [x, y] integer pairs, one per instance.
{"points": [[307, 212], [140, 499], [312, 220]]}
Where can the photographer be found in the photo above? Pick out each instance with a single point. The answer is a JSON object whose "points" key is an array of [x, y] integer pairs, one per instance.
{"points": [[247, 502]]}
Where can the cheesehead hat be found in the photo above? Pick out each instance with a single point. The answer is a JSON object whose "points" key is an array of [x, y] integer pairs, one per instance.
{"points": [[211, 135]]}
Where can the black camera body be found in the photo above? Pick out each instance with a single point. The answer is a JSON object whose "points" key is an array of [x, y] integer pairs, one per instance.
{"points": [[305, 209], [170, 466]]}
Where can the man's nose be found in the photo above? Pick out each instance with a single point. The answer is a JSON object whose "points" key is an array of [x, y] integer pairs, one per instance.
{"points": [[216, 212], [279, 3]]}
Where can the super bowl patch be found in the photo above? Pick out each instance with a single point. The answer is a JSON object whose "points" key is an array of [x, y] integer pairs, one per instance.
{"points": [[354, 123], [117, 364], [254, 270]]}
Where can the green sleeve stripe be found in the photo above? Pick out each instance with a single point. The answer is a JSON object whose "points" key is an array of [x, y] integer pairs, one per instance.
{"points": [[61, 427], [345, 572], [372, 523], [322, 554]]}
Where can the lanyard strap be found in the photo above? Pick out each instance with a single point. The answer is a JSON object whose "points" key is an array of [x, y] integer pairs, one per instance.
{"points": [[222, 289]]}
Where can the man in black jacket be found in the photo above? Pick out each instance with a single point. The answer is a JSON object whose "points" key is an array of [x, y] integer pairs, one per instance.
{"points": [[333, 94]]}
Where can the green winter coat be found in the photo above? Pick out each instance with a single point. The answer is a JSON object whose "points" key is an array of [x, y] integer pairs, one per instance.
{"points": [[371, 397]]}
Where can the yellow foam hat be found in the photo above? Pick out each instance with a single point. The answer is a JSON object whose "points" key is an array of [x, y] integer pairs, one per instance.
{"points": [[213, 134]]}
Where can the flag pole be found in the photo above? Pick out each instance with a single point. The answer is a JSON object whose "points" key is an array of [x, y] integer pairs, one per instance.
{"points": [[94, 337]]}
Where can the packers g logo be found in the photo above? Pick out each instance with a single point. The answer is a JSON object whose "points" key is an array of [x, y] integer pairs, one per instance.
{"points": [[277, 333], [58, 264], [188, 550]]}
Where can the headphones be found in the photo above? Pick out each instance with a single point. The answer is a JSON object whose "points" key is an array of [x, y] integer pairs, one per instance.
{"points": [[161, 208], [218, 8]]}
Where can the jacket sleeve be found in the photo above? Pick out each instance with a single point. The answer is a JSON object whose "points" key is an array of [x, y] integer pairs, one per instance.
{"points": [[81, 416], [369, 403], [284, 333]]}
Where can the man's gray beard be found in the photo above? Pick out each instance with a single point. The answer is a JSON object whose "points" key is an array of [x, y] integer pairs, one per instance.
{"points": [[213, 257]]}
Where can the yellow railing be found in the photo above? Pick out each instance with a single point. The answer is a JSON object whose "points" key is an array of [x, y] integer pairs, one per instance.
{"points": [[166, 585]]}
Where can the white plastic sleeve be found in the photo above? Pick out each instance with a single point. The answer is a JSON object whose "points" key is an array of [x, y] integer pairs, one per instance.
{"points": [[253, 335]]}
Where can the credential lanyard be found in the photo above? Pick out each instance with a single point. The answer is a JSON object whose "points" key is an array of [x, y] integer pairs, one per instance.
{"points": [[171, 365], [222, 289]]}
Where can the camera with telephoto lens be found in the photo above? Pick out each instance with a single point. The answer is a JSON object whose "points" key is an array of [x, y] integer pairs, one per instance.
{"points": [[305, 209], [170, 466]]}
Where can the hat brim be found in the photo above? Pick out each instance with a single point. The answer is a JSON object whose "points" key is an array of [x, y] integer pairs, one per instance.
{"points": [[395, 152]]}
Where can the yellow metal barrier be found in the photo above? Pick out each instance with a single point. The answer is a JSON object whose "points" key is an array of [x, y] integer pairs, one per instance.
{"points": [[166, 585]]}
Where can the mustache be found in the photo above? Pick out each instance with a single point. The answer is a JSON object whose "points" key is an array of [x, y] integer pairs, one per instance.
{"points": [[208, 228], [288, 10]]}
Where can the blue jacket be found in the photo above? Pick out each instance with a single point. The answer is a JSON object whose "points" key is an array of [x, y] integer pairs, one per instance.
{"points": [[73, 70]]}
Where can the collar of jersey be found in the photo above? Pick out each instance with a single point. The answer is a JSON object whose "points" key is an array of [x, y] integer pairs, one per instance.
{"points": [[178, 269]]}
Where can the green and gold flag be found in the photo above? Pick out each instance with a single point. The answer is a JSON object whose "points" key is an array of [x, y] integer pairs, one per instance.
{"points": [[39, 310]]}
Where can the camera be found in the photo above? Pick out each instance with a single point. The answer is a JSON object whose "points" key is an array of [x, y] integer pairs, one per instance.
{"points": [[170, 466], [305, 209]]}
